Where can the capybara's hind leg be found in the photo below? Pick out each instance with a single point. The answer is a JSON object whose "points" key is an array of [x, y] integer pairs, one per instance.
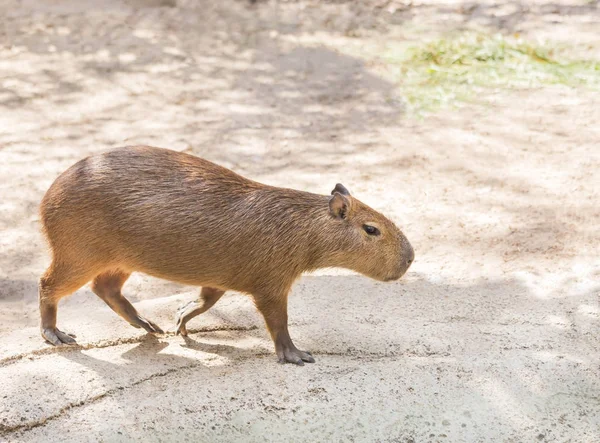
{"points": [[108, 286], [59, 280], [208, 297]]}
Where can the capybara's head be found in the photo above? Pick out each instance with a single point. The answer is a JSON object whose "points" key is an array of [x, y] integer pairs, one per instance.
{"points": [[373, 245]]}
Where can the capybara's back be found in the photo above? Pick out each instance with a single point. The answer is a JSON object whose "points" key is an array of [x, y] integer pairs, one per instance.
{"points": [[182, 218], [145, 209]]}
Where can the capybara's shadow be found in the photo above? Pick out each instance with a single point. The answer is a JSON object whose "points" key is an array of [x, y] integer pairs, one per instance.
{"points": [[222, 349], [147, 355]]}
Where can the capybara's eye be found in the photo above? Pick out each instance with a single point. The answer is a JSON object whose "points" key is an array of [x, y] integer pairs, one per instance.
{"points": [[371, 230]]}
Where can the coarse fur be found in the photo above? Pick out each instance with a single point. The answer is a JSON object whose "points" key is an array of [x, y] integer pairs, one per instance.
{"points": [[182, 218]]}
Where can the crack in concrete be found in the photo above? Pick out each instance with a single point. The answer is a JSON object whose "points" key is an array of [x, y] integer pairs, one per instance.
{"points": [[7, 429], [383, 355], [4, 429], [109, 343]]}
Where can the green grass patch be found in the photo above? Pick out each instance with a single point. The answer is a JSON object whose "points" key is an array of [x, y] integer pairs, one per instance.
{"points": [[449, 71]]}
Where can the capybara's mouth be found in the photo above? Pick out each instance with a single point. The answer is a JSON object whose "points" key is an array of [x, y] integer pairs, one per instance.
{"points": [[396, 276]]}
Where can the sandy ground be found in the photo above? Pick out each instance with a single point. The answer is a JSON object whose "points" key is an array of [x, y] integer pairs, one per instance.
{"points": [[493, 335]]}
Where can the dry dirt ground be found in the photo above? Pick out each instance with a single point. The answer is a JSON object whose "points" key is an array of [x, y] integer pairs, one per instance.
{"points": [[493, 335]]}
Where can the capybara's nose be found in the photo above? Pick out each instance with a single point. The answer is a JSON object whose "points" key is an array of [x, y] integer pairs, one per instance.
{"points": [[411, 257]]}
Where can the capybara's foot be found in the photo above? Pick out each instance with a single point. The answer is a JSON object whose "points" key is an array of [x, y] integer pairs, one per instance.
{"points": [[295, 356], [58, 338], [141, 322], [181, 329], [190, 310]]}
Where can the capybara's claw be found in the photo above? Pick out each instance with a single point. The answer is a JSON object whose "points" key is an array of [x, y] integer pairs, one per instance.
{"points": [[57, 338], [149, 326], [297, 357], [157, 329], [307, 357], [182, 330]]}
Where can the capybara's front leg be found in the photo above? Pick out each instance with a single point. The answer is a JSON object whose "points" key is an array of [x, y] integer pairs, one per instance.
{"points": [[274, 310], [208, 297]]}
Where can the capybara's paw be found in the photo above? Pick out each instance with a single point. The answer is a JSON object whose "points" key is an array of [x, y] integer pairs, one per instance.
{"points": [[58, 338], [181, 329], [296, 356], [149, 326], [181, 318]]}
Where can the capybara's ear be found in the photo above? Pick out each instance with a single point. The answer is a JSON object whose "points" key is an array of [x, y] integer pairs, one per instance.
{"points": [[339, 205], [341, 189]]}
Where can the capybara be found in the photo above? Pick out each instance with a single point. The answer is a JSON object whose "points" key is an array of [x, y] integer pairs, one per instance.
{"points": [[182, 218]]}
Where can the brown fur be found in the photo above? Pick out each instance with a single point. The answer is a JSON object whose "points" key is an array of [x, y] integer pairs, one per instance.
{"points": [[185, 219]]}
